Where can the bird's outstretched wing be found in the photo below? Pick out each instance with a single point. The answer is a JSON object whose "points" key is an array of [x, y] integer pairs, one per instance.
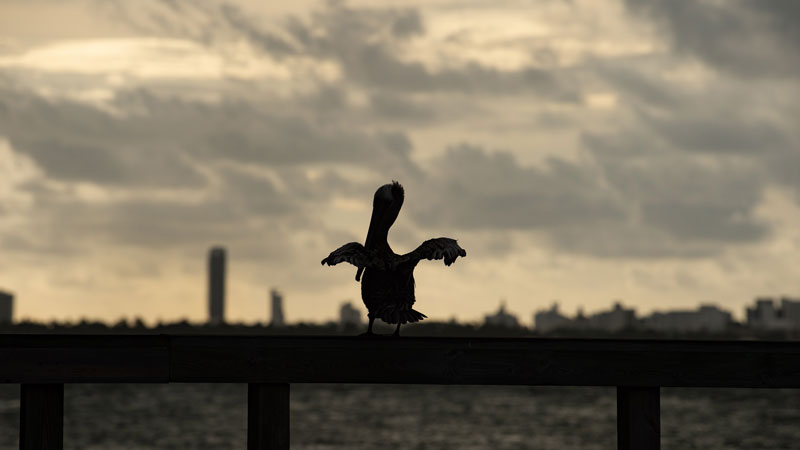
{"points": [[438, 248], [355, 254]]}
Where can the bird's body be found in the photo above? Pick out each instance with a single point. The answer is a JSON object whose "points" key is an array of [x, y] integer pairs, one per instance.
{"points": [[387, 287], [389, 294]]}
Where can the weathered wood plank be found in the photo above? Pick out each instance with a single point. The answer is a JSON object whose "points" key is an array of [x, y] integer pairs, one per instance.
{"points": [[267, 416], [638, 418], [85, 359], [41, 417], [407, 360], [485, 361]]}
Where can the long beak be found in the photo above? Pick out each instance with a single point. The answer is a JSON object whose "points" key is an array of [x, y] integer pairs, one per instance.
{"points": [[377, 213]]}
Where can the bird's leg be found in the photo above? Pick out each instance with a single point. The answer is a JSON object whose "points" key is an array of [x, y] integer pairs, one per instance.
{"points": [[397, 330], [369, 327]]}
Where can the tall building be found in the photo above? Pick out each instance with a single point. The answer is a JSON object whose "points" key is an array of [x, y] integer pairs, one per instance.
{"points": [[277, 309], [349, 316], [6, 307], [216, 286]]}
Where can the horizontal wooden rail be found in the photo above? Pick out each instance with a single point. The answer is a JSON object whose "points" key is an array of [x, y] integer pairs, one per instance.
{"points": [[42, 363], [405, 360]]}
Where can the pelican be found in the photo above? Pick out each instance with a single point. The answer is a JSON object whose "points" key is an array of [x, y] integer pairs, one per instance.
{"points": [[387, 287]]}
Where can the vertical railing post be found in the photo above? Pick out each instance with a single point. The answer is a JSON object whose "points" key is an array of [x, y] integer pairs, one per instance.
{"points": [[41, 421], [267, 416], [638, 418]]}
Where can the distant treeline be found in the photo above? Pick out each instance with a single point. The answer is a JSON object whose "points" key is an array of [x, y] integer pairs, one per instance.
{"points": [[427, 328]]}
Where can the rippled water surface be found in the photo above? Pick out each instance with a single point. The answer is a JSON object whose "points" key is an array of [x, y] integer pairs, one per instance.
{"points": [[206, 416]]}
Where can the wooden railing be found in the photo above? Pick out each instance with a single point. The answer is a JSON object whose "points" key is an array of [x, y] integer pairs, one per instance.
{"points": [[43, 363]]}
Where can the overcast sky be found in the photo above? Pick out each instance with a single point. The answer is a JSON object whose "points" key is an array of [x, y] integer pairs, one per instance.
{"points": [[580, 151]]}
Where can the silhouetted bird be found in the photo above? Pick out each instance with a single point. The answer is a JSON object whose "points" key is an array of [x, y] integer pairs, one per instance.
{"points": [[388, 285]]}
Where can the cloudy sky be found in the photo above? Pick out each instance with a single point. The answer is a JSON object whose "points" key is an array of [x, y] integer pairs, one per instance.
{"points": [[581, 151]]}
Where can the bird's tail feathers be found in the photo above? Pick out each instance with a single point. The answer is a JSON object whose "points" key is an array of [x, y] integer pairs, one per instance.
{"points": [[391, 315], [412, 315]]}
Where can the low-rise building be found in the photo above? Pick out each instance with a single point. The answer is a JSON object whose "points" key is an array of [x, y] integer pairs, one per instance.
{"points": [[349, 316], [790, 311], [549, 320], [501, 319], [617, 319], [764, 315], [707, 318]]}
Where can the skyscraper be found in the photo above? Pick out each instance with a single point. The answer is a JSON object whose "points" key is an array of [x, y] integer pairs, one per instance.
{"points": [[277, 309], [6, 307], [216, 285]]}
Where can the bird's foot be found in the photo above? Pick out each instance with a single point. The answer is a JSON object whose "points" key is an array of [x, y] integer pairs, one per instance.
{"points": [[368, 334]]}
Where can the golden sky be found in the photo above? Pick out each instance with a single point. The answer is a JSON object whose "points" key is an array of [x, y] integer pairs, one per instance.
{"points": [[580, 151]]}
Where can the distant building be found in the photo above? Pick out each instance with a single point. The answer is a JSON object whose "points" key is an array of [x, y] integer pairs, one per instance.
{"points": [[501, 319], [548, 320], [707, 318], [6, 307], [617, 319], [349, 316], [216, 286], [790, 310], [277, 309], [765, 316]]}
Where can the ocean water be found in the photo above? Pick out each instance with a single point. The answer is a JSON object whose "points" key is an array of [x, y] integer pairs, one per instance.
{"points": [[213, 416]]}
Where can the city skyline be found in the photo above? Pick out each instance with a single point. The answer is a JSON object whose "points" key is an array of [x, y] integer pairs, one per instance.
{"points": [[581, 151], [764, 314], [762, 310]]}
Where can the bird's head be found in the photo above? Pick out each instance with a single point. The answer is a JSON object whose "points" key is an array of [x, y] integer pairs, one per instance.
{"points": [[385, 207], [389, 195]]}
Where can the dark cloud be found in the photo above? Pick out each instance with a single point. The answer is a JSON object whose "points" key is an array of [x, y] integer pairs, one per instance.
{"points": [[253, 195], [626, 207], [476, 189], [629, 240], [372, 58], [782, 168], [147, 223], [166, 139], [729, 118], [238, 20], [368, 45], [728, 134], [400, 108], [681, 175], [642, 84], [704, 221], [687, 196], [180, 173], [74, 162], [357, 39], [624, 143], [72, 141], [289, 140], [326, 99], [408, 23], [62, 222], [749, 38], [377, 66]]}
